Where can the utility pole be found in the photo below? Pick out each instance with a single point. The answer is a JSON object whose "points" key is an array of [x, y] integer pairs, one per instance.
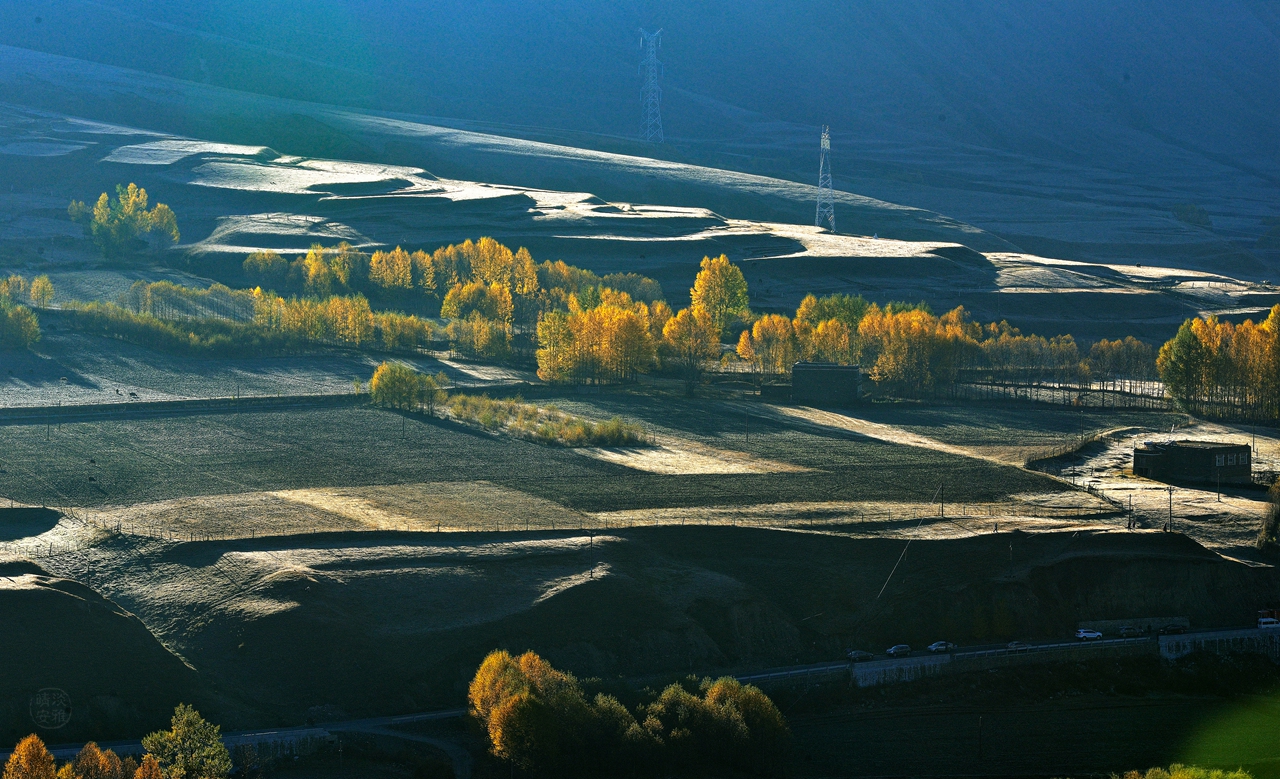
{"points": [[651, 91], [826, 216], [1170, 525]]}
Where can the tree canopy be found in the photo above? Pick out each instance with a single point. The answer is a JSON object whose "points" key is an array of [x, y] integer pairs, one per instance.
{"points": [[541, 720], [720, 290], [19, 327], [123, 225], [191, 749], [30, 760]]}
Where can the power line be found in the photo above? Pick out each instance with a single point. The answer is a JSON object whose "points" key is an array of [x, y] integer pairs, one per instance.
{"points": [[651, 91], [826, 197]]}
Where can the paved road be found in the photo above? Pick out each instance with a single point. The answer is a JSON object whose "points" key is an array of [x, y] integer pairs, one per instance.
{"points": [[988, 650]]}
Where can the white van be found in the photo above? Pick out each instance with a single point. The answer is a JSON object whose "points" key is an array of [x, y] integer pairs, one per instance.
{"points": [[1268, 622]]}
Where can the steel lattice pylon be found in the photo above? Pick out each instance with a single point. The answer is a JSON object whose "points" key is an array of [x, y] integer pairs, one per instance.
{"points": [[651, 92], [826, 197]]}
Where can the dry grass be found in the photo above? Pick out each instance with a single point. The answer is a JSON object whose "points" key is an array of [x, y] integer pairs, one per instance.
{"points": [[547, 425], [430, 506]]}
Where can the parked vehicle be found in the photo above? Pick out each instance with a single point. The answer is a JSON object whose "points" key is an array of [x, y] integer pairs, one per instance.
{"points": [[1269, 622], [941, 647], [1084, 634], [1015, 645], [898, 650], [859, 656], [1129, 631], [1173, 630]]}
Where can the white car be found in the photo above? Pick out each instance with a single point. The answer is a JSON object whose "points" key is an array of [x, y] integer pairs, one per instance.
{"points": [[1084, 634]]}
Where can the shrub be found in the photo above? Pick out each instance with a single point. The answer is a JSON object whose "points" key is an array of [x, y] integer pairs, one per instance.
{"points": [[1192, 214]]}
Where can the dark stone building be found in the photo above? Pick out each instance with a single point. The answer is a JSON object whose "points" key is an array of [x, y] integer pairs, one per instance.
{"points": [[826, 384], [1205, 462]]}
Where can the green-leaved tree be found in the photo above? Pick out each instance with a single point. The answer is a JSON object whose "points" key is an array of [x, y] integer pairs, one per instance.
{"points": [[124, 225], [720, 290], [191, 749]]}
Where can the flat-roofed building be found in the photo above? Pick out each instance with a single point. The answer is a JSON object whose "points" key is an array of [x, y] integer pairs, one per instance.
{"points": [[1204, 462], [826, 384]]}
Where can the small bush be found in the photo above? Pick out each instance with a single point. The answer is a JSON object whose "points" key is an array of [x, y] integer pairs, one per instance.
{"points": [[1192, 214]]}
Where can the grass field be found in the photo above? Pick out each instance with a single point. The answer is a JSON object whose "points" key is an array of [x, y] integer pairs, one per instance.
{"points": [[182, 456], [347, 557], [95, 368]]}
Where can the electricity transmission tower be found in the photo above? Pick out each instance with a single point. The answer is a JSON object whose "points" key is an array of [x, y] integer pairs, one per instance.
{"points": [[651, 92], [826, 198]]}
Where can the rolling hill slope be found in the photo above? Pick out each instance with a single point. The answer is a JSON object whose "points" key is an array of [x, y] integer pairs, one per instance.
{"points": [[1070, 129]]}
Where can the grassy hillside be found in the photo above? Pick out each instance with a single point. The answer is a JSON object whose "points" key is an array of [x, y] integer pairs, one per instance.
{"points": [[1070, 130], [61, 634]]}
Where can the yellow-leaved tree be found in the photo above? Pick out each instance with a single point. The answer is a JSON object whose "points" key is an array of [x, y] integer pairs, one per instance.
{"points": [[396, 385], [770, 344], [720, 290], [95, 763], [30, 760], [392, 270], [42, 291], [149, 769], [689, 339], [539, 719]]}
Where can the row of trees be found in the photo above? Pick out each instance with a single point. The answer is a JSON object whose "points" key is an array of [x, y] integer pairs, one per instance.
{"points": [[166, 300], [19, 326], [474, 276], [540, 720], [17, 290], [618, 338], [191, 749], [123, 225], [220, 320], [591, 329], [907, 349], [1223, 369]]}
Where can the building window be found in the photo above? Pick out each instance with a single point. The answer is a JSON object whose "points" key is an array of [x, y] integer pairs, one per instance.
{"points": [[1231, 459], [1220, 460]]}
